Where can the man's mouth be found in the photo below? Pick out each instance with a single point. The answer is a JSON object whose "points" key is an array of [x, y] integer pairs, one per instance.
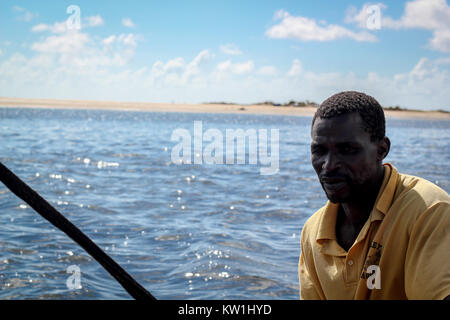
{"points": [[333, 184]]}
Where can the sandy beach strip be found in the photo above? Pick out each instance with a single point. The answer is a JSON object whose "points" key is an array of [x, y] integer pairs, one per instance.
{"points": [[194, 108]]}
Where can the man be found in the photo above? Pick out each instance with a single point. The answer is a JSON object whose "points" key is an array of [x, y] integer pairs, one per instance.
{"points": [[382, 234]]}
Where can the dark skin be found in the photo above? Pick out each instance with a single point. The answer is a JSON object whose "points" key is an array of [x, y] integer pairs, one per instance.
{"points": [[349, 166]]}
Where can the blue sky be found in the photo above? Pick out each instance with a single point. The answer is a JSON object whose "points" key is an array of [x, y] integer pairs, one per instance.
{"points": [[235, 51]]}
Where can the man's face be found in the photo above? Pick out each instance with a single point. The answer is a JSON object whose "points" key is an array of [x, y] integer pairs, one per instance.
{"points": [[343, 157]]}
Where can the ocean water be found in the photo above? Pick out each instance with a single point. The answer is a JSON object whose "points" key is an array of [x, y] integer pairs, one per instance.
{"points": [[184, 231]]}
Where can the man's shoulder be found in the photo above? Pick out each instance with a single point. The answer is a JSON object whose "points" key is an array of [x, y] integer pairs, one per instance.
{"points": [[311, 225], [416, 197], [420, 191]]}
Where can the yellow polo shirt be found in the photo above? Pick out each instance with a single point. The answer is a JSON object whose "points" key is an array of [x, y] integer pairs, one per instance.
{"points": [[402, 251]]}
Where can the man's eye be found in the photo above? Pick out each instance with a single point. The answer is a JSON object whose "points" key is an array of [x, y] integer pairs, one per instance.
{"points": [[317, 150], [348, 149]]}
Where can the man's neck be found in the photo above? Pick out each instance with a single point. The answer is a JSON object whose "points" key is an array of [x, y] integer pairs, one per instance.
{"points": [[353, 215], [357, 212]]}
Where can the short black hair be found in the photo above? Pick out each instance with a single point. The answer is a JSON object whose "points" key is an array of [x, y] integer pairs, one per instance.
{"points": [[367, 107]]}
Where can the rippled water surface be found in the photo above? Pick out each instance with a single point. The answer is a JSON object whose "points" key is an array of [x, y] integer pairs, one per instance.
{"points": [[183, 231]]}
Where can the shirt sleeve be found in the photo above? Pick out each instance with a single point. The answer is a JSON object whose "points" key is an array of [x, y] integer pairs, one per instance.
{"points": [[308, 289], [427, 264]]}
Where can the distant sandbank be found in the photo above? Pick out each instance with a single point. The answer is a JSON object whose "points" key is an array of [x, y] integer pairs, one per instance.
{"points": [[195, 108]]}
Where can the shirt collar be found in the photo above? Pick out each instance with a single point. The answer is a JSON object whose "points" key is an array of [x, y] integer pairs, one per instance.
{"points": [[387, 191], [327, 223]]}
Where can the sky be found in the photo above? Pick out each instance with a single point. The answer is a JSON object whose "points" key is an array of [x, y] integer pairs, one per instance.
{"points": [[230, 51]]}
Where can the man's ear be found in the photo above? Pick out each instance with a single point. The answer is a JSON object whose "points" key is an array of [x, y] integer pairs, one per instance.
{"points": [[383, 148]]}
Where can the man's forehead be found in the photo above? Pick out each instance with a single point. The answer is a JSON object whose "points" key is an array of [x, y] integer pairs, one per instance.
{"points": [[343, 128]]}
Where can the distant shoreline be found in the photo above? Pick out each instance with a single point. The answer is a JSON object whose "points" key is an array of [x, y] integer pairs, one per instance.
{"points": [[263, 109]]}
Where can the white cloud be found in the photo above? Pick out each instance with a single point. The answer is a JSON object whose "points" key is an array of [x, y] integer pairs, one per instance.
{"points": [[193, 68], [423, 87], [76, 51], [109, 40], [76, 48], [296, 68], [158, 68], [24, 15], [440, 40], [418, 14], [224, 66], [62, 27], [72, 65], [421, 69], [443, 61], [423, 14], [267, 71], [70, 42], [94, 21], [236, 68], [177, 72], [90, 77], [57, 27], [230, 49], [127, 22], [175, 65], [116, 50], [129, 39], [40, 27], [426, 14], [433, 15], [306, 29]]}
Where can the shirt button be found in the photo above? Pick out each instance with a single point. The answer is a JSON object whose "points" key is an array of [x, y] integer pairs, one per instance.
{"points": [[350, 262]]}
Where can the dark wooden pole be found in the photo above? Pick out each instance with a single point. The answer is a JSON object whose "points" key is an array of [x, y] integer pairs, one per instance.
{"points": [[23, 191]]}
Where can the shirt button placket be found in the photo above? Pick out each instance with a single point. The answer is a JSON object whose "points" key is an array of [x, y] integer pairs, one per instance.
{"points": [[351, 273]]}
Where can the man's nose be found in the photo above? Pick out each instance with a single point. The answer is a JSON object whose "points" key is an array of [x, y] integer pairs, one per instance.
{"points": [[331, 163]]}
